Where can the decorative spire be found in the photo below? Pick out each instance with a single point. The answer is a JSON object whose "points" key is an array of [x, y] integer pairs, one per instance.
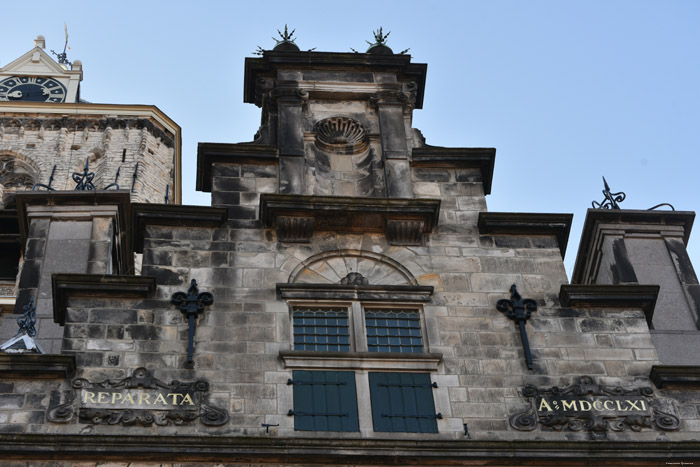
{"points": [[611, 200]]}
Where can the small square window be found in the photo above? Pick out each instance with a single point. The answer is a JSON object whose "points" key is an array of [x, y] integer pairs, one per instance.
{"points": [[321, 329], [390, 330]]}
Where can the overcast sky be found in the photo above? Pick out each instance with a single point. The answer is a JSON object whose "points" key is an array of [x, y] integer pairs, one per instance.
{"points": [[566, 91]]}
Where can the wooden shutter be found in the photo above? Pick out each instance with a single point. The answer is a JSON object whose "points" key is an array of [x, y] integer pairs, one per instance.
{"points": [[403, 402], [324, 401]]}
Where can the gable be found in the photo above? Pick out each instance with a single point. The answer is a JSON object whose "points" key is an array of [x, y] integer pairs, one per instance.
{"points": [[34, 62]]}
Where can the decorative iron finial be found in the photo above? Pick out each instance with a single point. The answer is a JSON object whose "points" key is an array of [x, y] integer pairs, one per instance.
{"points": [[286, 35], [519, 310], [84, 180], [379, 37], [611, 200], [116, 179], [28, 321], [48, 187], [191, 305]]}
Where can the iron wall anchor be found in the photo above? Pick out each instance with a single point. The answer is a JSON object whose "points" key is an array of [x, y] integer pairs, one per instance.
{"points": [[191, 305], [519, 310]]}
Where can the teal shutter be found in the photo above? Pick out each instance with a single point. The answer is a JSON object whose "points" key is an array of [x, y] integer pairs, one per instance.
{"points": [[403, 402], [324, 401]]}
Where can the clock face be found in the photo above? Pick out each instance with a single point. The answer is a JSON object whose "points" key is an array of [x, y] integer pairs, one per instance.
{"points": [[32, 89]]}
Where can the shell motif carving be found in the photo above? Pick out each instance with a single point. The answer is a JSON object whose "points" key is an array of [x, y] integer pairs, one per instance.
{"points": [[341, 135]]}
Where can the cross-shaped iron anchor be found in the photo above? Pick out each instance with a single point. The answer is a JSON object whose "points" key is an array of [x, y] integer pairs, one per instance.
{"points": [[519, 310], [191, 305]]}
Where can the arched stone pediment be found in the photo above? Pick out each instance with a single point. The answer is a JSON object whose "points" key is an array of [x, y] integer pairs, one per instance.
{"points": [[332, 267]]}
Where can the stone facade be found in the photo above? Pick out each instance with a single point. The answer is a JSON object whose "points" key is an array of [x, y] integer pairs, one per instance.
{"points": [[340, 212]]}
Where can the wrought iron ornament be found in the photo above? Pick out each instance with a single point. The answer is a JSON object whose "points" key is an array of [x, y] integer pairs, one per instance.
{"points": [[588, 406], [48, 187], [28, 321], [611, 199], [192, 304], [84, 180], [519, 310]]}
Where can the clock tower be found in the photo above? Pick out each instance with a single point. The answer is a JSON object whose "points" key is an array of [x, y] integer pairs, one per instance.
{"points": [[36, 77]]}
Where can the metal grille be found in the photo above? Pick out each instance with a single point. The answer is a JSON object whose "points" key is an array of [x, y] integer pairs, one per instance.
{"points": [[393, 331], [321, 329]]}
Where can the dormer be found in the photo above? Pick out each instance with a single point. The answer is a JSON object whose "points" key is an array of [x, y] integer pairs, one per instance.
{"points": [[37, 77]]}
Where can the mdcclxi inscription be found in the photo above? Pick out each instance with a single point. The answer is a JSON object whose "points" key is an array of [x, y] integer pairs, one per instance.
{"points": [[139, 399], [587, 406]]}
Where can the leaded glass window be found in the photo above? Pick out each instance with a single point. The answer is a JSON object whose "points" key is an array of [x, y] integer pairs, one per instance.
{"points": [[324, 328], [390, 330]]}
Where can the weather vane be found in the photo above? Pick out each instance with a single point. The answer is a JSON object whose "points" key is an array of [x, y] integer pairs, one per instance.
{"points": [[63, 57]]}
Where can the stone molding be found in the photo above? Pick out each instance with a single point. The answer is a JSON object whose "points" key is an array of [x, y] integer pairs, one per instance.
{"points": [[65, 286], [333, 450], [611, 296], [379, 361], [675, 376], [602, 222], [457, 158], [271, 61], [145, 214], [36, 366], [235, 154], [403, 221], [363, 293], [525, 223]]}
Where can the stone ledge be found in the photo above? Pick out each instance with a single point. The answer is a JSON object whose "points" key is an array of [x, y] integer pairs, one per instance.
{"points": [[88, 285], [241, 153], [145, 214], [382, 361], [400, 449], [457, 158], [392, 293], [611, 296], [37, 366], [675, 376], [296, 217], [526, 223]]}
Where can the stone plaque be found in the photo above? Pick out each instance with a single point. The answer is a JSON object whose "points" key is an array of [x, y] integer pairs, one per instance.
{"points": [[587, 406], [139, 399]]}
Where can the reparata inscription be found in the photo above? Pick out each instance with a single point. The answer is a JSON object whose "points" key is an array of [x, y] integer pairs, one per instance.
{"points": [[588, 406], [139, 399]]}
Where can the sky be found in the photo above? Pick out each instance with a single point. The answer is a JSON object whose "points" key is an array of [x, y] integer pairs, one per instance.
{"points": [[566, 91]]}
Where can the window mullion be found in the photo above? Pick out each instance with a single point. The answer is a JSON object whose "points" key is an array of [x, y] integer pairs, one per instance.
{"points": [[358, 327]]}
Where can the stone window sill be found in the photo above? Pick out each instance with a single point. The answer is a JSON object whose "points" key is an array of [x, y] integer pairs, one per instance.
{"points": [[303, 359]]}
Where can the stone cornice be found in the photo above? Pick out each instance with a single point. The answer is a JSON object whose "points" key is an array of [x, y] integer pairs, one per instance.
{"points": [[296, 217], [65, 286], [525, 223], [273, 60], [36, 366], [626, 220], [145, 214], [388, 293], [675, 376], [408, 449], [457, 158], [611, 296], [241, 153]]}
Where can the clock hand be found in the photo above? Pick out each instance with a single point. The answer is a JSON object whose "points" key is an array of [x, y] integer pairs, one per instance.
{"points": [[15, 94]]}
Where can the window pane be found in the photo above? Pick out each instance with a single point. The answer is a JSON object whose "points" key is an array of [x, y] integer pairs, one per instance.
{"points": [[403, 327], [318, 325]]}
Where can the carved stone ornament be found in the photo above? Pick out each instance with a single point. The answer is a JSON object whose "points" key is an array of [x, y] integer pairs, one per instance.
{"points": [[587, 406], [139, 399], [340, 135]]}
